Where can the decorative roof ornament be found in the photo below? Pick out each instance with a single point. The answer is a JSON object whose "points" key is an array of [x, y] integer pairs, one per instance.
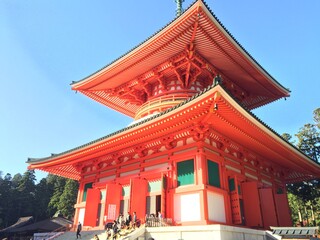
{"points": [[217, 80], [179, 7]]}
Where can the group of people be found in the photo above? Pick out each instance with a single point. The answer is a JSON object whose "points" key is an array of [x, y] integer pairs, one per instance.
{"points": [[128, 222]]}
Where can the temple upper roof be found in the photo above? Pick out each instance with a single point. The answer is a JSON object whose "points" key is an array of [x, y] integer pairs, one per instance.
{"points": [[178, 61]]}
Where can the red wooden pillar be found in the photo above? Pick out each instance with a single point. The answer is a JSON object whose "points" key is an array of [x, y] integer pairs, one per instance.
{"points": [[112, 205], [76, 214], [201, 169], [138, 197], [163, 194], [169, 196], [92, 206]]}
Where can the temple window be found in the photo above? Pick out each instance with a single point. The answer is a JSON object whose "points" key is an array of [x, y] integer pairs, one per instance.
{"points": [[185, 172], [231, 185], [213, 174], [154, 186], [86, 186]]}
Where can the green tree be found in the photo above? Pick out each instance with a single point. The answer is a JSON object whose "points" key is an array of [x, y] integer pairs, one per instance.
{"points": [[26, 194], [304, 196], [316, 117], [57, 185], [16, 180], [68, 198], [42, 199], [6, 203], [287, 137], [309, 141], [305, 191], [296, 205]]}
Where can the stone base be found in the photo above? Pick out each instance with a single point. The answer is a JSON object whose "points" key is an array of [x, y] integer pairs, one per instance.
{"points": [[214, 232]]}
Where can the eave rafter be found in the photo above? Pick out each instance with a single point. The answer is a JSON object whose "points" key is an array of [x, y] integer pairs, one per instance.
{"points": [[186, 66]]}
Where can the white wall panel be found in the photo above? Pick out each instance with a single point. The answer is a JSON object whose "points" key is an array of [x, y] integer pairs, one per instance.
{"points": [[216, 208]]}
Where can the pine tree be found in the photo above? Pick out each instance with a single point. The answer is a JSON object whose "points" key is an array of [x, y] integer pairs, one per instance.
{"points": [[6, 203], [306, 194], [42, 199], [26, 194], [316, 117], [68, 198], [57, 185], [309, 141]]}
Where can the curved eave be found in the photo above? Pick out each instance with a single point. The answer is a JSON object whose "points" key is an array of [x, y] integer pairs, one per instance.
{"points": [[245, 54], [212, 41], [242, 126], [230, 120]]}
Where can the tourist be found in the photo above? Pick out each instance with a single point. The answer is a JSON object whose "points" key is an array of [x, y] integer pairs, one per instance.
{"points": [[160, 218], [120, 219], [134, 220], [115, 228], [79, 228], [96, 237], [108, 232], [128, 219]]}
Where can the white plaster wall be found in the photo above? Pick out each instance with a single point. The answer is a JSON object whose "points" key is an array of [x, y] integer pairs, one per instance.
{"points": [[81, 215], [216, 208], [207, 232], [187, 207]]}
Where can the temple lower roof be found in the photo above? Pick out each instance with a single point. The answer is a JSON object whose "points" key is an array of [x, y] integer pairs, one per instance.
{"points": [[213, 106]]}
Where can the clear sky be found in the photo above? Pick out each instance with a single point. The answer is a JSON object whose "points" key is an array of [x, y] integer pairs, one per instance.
{"points": [[45, 45]]}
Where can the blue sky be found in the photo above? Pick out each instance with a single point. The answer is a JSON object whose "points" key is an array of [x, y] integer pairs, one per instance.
{"points": [[45, 45]]}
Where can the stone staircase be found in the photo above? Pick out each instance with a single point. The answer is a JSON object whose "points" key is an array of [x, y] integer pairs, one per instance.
{"points": [[89, 235], [85, 235]]}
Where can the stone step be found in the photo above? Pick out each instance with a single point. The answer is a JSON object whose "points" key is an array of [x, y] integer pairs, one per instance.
{"points": [[85, 235]]}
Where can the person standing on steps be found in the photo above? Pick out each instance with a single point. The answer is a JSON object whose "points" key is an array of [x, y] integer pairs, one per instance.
{"points": [[128, 219], [134, 220], [79, 228], [96, 237]]}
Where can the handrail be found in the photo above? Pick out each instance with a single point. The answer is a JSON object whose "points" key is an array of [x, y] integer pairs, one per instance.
{"points": [[161, 103], [158, 222]]}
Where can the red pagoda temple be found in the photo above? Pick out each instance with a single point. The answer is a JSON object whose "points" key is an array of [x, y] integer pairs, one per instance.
{"points": [[194, 152]]}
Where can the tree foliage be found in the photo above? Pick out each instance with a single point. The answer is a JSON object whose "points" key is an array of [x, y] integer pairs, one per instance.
{"points": [[316, 117], [57, 186], [68, 198], [21, 196], [309, 141], [304, 196]]}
